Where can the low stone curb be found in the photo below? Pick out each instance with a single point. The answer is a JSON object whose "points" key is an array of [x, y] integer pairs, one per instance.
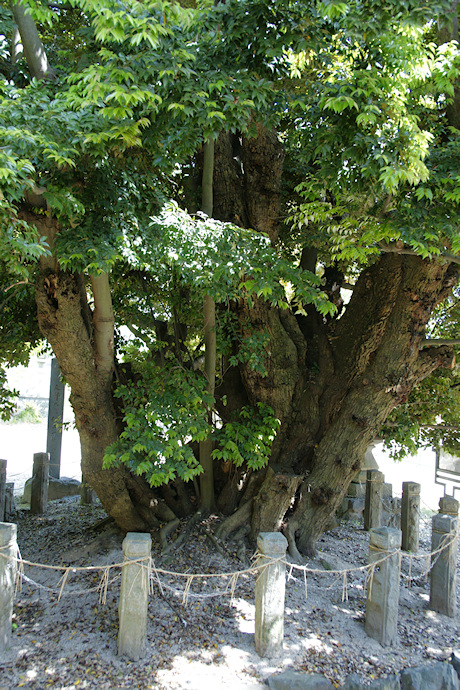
{"points": [[438, 676], [57, 488]]}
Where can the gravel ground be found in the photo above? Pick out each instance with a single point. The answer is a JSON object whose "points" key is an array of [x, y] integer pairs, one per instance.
{"points": [[71, 642]]}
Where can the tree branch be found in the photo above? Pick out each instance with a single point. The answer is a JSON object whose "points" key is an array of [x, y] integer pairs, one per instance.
{"points": [[13, 294], [434, 342], [32, 45], [445, 427], [393, 249]]}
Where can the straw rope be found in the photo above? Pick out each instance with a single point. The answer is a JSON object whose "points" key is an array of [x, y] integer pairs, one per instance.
{"points": [[152, 574]]}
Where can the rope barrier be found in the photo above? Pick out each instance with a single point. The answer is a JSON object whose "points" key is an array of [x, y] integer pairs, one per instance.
{"points": [[152, 572], [88, 590], [424, 519]]}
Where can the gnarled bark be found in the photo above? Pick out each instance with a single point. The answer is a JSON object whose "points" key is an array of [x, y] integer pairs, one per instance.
{"points": [[85, 356], [272, 502], [331, 382]]}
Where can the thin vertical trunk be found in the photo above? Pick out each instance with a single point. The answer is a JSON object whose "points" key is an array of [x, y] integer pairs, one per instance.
{"points": [[448, 31], [209, 313], [103, 323], [207, 184]]}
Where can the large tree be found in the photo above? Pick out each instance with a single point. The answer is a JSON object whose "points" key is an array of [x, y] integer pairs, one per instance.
{"points": [[333, 239]]}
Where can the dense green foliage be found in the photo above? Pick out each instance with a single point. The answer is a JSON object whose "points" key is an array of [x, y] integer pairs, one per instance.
{"points": [[430, 418], [357, 92]]}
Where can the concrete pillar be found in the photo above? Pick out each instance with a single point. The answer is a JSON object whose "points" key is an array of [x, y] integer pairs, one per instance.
{"points": [[8, 566], [269, 595], [55, 419], [410, 516], [132, 609], [40, 481], [373, 506], [383, 587], [87, 494], [448, 505], [2, 489], [9, 501], [443, 575]]}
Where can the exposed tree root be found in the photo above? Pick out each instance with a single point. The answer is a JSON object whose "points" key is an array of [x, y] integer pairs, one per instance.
{"points": [[241, 533], [219, 547], [165, 531], [184, 497], [242, 556], [289, 533], [230, 495], [272, 501], [100, 524], [234, 521], [183, 535], [161, 510], [169, 496], [252, 484]]}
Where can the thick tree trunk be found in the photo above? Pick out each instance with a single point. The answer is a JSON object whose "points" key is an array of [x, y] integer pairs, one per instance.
{"points": [[83, 346], [58, 297], [377, 362], [370, 363], [331, 382], [84, 350]]}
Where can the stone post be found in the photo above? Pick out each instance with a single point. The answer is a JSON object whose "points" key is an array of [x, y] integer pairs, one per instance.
{"points": [[55, 419], [8, 554], [2, 489], [132, 609], [10, 506], [40, 480], [443, 576], [448, 505], [373, 506], [383, 587], [87, 494], [269, 595], [410, 516]]}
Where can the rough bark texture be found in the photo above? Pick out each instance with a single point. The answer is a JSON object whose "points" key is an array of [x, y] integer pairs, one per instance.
{"points": [[331, 382], [247, 180], [65, 321], [82, 342], [273, 501]]}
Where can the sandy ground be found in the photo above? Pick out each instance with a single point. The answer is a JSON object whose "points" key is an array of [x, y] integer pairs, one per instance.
{"points": [[71, 642]]}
